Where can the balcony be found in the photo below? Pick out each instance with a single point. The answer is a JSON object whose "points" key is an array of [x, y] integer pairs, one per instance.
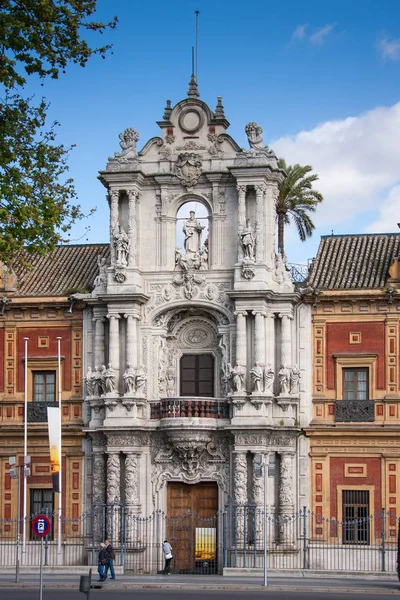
{"points": [[37, 411], [174, 408], [355, 411]]}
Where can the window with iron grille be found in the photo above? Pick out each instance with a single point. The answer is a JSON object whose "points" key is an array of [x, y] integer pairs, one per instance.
{"points": [[197, 375], [44, 386], [42, 503], [355, 517], [355, 384]]}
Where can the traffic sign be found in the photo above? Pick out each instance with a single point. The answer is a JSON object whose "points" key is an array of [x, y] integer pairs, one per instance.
{"points": [[41, 525]]}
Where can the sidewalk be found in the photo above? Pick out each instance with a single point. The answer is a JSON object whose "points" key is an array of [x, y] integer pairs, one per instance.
{"points": [[369, 583]]}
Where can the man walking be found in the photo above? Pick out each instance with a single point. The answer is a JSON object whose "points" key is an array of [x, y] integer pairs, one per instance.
{"points": [[102, 561], [110, 556]]}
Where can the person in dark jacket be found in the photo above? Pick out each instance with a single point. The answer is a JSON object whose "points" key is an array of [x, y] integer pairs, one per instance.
{"points": [[102, 561], [110, 556]]}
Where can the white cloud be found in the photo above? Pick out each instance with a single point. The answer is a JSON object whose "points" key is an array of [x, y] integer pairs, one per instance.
{"points": [[299, 32], [357, 160], [318, 38], [389, 48]]}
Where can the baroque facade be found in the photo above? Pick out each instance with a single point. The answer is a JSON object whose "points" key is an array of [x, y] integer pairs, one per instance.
{"points": [[354, 450], [197, 345]]}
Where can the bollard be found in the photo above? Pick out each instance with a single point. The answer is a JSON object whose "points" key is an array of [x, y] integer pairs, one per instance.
{"points": [[85, 584]]}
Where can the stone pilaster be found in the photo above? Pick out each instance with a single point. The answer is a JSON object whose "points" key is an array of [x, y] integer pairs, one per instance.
{"points": [[114, 199], [114, 344], [98, 341], [286, 339], [260, 191], [241, 215], [99, 479], [133, 196], [132, 340], [286, 506], [241, 343], [113, 495], [240, 494], [259, 337]]}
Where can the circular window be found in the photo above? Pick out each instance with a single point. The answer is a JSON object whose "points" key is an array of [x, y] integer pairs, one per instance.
{"points": [[190, 120]]}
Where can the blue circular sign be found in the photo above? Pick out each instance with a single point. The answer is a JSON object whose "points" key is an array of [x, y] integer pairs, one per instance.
{"points": [[41, 525]]}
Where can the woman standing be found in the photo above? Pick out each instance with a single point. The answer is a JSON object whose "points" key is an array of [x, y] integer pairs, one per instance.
{"points": [[167, 550]]}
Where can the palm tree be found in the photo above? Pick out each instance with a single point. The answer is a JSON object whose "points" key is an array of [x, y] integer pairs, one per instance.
{"points": [[295, 199]]}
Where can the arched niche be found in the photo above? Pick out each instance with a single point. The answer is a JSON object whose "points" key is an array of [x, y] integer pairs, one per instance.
{"points": [[192, 235]]}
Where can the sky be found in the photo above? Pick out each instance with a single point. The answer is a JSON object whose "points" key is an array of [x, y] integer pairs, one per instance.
{"points": [[322, 78]]}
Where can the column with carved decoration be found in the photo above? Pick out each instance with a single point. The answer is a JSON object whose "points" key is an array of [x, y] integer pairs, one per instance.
{"points": [[98, 341], [286, 505], [241, 215], [258, 497], [133, 196], [240, 497], [113, 496], [114, 345], [113, 199], [99, 492], [131, 497], [259, 231]]}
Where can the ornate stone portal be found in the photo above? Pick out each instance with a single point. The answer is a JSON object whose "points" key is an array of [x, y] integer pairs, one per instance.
{"points": [[193, 344]]}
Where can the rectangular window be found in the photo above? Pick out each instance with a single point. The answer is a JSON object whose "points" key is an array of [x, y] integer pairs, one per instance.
{"points": [[355, 516], [197, 375], [44, 386], [42, 503], [355, 384]]}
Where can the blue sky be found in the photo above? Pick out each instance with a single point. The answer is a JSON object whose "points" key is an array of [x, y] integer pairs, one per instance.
{"points": [[321, 78]]}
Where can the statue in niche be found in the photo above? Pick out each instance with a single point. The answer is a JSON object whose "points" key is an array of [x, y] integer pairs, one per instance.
{"points": [[129, 379], [170, 382], [295, 381], [108, 379], [192, 229], [121, 243], [90, 378], [98, 388], [284, 380], [256, 374], [269, 377], [140, 379], [248, 240], [204, 257]]}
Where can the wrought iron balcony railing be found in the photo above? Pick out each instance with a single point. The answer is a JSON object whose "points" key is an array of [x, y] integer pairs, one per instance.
{"points": [[37, 411], [355, 411], [172, 408]]}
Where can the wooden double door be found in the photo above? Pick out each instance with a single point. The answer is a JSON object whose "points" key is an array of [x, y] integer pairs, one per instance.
{"points": [[192, 525]]}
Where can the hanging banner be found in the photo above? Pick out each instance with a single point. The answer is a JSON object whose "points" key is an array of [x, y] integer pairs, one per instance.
{"points": [[53, 420]]}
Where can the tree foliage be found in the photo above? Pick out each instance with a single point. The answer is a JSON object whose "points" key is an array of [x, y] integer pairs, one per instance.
{"points": [[295, 200], [37, 200]]}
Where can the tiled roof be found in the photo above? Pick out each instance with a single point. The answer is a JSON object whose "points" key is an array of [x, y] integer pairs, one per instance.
{"points": [[354, 261], [66, 270]]}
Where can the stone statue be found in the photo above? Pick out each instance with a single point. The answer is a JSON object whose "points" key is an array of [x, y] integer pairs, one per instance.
{"points": [[192, 230], [204, 258], [269, 377], [248, 240], [237, 377], [109, 379], [129, 379], [256, 374], [98, 388], [140, 379], [121, 243], [127, 142], [170, 382], [254, 136], [284, 380], [295, 381], [90, 378], [101, 278]]}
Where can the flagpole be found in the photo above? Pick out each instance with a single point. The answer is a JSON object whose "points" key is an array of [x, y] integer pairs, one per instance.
{"points": [[60, 455], [25, 450]]}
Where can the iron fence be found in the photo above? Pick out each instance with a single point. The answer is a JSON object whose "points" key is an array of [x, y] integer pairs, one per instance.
{"points": [[232, 538]]}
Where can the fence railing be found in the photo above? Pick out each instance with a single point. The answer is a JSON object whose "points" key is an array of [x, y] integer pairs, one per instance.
{"points": [[233, 537]]}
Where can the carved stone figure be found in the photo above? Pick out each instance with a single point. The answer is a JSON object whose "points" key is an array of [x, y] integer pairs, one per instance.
{"points": [[101, 278], [204, 258], [170, 382], [269, 377], [129, 380], [121, 243], [140, 379], [256, 374], [89, 382], [254, 135], [127, 142], [237, 376], [284, 380], [295, 381], [248, 240], [109, 379], [192, 229], [98, 388]]}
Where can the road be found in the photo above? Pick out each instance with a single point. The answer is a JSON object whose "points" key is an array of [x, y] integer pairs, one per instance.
{"points": [[272, 594]]}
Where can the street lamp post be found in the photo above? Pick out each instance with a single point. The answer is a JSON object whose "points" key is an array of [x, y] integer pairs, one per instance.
{"points": [[15, 474]]}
